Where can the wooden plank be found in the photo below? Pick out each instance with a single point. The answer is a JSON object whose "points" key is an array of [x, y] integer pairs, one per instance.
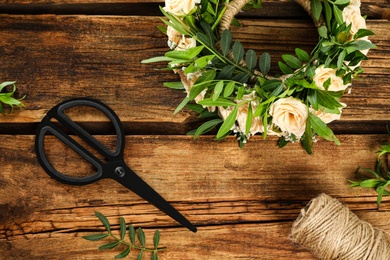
{"points": [[53, 58], [273, 8], [220, 188]]}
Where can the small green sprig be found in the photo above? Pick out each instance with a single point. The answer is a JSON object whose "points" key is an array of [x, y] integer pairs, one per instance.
{"points": [[121, 239], [7, 97], [381, 180]]}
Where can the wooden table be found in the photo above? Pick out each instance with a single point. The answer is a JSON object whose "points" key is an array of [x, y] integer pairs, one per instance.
{"points": [[242, 201]]}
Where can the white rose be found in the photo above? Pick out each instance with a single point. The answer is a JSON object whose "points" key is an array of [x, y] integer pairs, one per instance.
{"points": [[178, 41], [327, 117], [290, 115], [180, 7], [323, 74], [355, 3], [352, 15]]}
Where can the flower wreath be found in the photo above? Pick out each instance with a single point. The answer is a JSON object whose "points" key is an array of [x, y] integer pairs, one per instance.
{"points": [[232, 87]]}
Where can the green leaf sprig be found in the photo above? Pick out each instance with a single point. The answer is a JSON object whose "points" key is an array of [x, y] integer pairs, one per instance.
{"points": [[132, 235], [381, 181], [6, 98]]}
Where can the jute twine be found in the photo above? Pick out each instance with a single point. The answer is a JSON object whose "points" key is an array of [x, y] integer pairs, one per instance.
{"points": [[330, 230], [235, 6]]}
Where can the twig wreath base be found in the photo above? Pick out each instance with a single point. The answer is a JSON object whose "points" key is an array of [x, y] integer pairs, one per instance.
{"points": [[330, 231], [232, 87]]}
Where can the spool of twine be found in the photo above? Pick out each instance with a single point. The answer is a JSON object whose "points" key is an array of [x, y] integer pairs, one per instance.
{"points": [[330, 230]]}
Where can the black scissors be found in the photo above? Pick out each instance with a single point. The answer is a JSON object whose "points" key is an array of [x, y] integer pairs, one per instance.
{"points": [[114, 167]]}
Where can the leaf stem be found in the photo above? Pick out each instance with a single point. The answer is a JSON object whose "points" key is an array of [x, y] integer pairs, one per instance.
{"points": [[154, 250]]}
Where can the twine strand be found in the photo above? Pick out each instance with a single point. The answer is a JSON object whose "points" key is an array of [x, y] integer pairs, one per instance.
{"points": [[331, 231]]}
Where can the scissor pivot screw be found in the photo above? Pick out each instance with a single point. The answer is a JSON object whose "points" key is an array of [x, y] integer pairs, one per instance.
{"points": [[120, 171]]}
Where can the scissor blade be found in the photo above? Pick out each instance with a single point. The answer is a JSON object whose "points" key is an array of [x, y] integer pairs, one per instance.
{"points": [[133, 182]]}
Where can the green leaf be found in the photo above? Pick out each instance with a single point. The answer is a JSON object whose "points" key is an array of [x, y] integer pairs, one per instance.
{"points": [[328, 14], [316, 9], [141, 236], [156, 239], [226, 72], [249, 119], [132, 234], [226, 42], [95, 237], [174, 85], [323, 31], [203, 61], [265, 63], [310, 71], [360, 45], [341, 2], [322, 129], [201, 83], [218, 90], [250, 59], [209, 32], [203, 39], [219, 102], [181, 105], [228, 123], [272, 84], [307, 140], [229, 89], [186, 54], [154, 256], [240, 93], [110, 245], [5, 84], [302, 55], [156, 59], [206, 127], [104, 220], [363, 33], [381, 191], [139, 257], [285, 69], [292, 61], [324, 98], [340, 60], [338, 14], [371, 183], [196, 108], [122, 228], [238, 51], [123, 254]]}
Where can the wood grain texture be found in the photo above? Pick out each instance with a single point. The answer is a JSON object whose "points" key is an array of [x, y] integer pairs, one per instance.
{"points": [[54, 58], [242, 201], [236, 201]]}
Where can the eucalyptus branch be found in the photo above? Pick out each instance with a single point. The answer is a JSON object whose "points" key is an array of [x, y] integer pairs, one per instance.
{"points": [[132, 238], [381, 180]]}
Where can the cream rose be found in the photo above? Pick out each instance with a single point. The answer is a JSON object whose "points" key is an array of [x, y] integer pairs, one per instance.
{"points": [[355, 3], [290, 115], [327, 117], [178, 41], [352, 15], [180, 7], [323, 74]]}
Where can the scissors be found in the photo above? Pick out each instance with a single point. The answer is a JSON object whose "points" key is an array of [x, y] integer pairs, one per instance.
{"points": [[113, 167]]}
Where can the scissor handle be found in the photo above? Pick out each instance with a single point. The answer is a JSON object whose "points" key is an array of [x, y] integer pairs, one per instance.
{"points": [[47, 126]]}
